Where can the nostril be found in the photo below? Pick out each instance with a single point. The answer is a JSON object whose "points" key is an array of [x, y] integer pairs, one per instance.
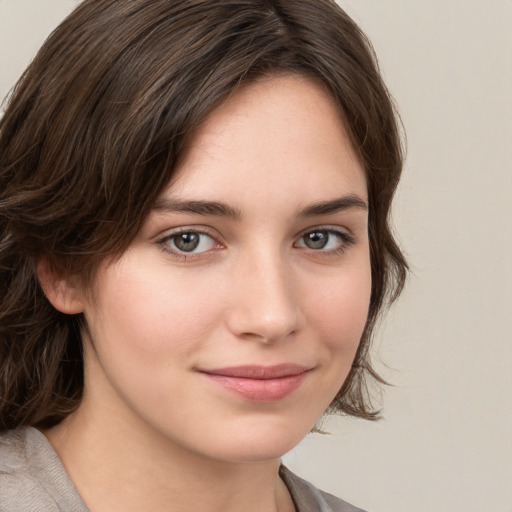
{"points": [[247, 323]]}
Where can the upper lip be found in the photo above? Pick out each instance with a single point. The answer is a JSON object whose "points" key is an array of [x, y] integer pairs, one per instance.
{"points": [[259, 372]]}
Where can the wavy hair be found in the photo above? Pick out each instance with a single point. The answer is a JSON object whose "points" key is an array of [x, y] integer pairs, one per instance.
{"points": [[92, 134]]}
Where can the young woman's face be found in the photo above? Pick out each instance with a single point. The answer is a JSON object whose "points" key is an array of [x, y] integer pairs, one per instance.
{"points": [[233, 318]]}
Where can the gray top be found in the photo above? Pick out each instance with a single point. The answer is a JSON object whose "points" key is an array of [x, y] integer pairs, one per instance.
{"points": [[33, 479]]}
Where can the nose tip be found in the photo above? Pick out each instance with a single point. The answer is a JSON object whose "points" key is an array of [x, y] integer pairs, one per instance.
{"points": [[265, 307], [266, 328]]}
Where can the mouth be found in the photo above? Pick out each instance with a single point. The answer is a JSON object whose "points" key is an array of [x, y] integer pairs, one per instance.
{"points": [[259, 383]]}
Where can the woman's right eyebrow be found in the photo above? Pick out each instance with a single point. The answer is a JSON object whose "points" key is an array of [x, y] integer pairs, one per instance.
{"points": [[214, 208]]}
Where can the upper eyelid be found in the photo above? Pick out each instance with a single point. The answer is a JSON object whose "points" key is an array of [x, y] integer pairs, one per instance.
{"points": [[326, 227], [204, 230]]}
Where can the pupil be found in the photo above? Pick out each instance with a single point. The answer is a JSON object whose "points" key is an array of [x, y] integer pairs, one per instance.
{"points": [[317, 240], [187, 241]]}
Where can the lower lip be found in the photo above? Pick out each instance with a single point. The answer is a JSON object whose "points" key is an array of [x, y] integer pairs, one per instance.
{"points": [[259, 390]]}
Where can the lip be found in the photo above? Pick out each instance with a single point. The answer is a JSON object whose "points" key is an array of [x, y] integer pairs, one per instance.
{"points": [[259, 383]]}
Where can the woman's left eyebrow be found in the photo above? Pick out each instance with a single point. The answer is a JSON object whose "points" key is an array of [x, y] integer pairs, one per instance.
{"points": [[334, 205]]}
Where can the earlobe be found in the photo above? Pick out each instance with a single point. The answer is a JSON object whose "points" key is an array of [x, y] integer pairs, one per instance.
{"points": [[62, 293]]}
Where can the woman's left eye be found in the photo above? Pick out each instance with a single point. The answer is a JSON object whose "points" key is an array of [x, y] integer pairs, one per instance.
{"points": [[324, 240], [188, 242]]}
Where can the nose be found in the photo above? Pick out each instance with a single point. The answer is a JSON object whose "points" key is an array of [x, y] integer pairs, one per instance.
{"points": [[264, 305]]}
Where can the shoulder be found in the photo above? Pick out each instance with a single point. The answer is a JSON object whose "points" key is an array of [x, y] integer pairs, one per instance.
{"points": [[308, 498], [32, 476]]}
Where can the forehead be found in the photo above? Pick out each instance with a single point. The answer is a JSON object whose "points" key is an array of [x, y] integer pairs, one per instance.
{"points": [[278, 135]]}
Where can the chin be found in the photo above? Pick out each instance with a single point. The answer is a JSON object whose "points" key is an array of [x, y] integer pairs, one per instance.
{"points": [[257, 442]]}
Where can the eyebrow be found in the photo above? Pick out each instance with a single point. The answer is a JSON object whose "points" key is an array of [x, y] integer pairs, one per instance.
{"points": [[219, 209], [335, 205], [214, 208]]}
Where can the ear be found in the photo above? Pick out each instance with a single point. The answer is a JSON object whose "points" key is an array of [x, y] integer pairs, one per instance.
{"points": [[62, 293]]}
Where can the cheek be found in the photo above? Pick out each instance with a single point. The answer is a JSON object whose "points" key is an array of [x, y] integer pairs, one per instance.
{"points": [[147, 325], [151, 315], [339, 308]]}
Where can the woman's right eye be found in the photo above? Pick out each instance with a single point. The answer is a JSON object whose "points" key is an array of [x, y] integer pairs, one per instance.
{"points": [[188, 242]]}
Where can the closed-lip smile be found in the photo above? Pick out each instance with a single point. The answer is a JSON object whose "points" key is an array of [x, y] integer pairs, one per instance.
{"points": [[259, 383]]}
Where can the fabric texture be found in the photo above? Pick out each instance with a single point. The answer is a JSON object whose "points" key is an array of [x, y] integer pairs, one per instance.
{"points": [[307, 498], [33, 479]]}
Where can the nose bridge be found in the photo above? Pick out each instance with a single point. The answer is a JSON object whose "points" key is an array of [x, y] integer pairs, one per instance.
{"points": [[265, 304]]}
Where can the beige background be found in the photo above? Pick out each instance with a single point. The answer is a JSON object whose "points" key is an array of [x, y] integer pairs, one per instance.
{"points": [[445, 443]]}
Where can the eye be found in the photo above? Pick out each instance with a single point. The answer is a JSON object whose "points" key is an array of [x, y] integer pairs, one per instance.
{"points": [[325, 240], [188, 242]]}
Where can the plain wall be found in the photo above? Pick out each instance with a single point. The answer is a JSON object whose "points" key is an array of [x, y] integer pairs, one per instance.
{"points": [[445, 443]]}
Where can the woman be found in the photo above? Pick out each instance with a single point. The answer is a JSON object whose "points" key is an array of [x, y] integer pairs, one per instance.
{"points": [[195, 248]]}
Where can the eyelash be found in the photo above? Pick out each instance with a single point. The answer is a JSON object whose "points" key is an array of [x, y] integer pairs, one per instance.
{"points": [[346, 240], [176, 253]]}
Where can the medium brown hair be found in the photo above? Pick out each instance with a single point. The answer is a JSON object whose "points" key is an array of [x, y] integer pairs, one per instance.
{"points": [[93, 132]]}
